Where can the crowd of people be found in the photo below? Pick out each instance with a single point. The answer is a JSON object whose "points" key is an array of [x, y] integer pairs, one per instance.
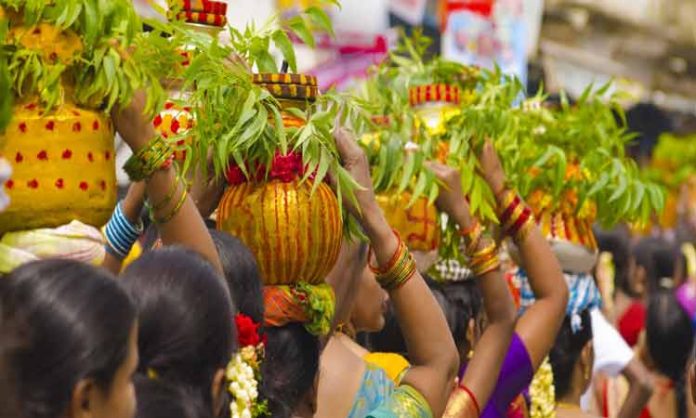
{"points": [[85, 341], [176, 320]]}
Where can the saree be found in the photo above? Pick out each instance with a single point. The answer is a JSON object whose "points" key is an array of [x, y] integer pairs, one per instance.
{"points": [[379, 397]]}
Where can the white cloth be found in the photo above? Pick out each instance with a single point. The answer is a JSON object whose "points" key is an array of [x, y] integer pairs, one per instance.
{"points": [[612, 354], [5, 173]]}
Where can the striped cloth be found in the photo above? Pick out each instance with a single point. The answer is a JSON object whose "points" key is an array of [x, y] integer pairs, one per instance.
{"points": [[74, 241], [311, 305], [584, 294]]}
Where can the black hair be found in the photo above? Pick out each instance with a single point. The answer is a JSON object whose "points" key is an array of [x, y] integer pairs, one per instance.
{"points": [[617, 243], [186, 322], [566, 351], [669, 337], [438, 291], [466, 303], [289, 368], [646, 254], [241, 273], [160, 399], [647, 122], [72, 322]]}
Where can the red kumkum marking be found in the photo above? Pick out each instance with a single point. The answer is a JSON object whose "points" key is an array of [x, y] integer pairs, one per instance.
{"points": [[19, 157], [23, 127], [67, 154], [84, 186], [33, 184], [60, 183], [50, 125], [9, 185], [43, 155]]}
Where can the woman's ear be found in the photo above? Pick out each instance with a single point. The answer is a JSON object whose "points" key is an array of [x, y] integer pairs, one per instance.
{"points": [[83, 399], [217, 391]]}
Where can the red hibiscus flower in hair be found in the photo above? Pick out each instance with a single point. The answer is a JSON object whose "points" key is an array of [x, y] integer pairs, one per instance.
{"points": [[247, 331]]}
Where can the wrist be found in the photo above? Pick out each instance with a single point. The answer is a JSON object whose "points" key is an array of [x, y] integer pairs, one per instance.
{"points": [[374, 223]]}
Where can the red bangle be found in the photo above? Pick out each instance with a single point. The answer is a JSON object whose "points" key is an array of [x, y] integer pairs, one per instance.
{"points": [[390, 264], [473, 399], [524, 217], [509, 210]]}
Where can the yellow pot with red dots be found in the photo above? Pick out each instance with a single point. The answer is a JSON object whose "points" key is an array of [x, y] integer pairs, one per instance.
{"points": [[416, 224], [175, 120], [63, 167]]}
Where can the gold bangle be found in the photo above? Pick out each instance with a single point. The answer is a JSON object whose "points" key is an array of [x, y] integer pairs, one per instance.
{"points": [[525, 230], [514, 216], [472, 238], [163, 204], [485, 251], [492, 265], [174, 211], [149, 159], [508, 198]]}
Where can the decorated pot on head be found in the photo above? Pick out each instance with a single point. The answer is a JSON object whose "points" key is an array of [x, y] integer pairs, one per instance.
{"points": [[294, 233], [435, 105], [62, 159], [177, 118], [567, 227], [416, 223]]}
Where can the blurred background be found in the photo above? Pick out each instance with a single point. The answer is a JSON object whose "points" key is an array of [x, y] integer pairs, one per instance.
{"points": [[648, 47]]}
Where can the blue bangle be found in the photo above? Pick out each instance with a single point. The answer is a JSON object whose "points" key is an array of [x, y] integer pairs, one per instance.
{"points": [[121, 234]]}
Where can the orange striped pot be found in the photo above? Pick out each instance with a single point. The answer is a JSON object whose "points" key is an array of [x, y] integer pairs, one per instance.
{"points": [[294, 236], [570, 233], [417, 225], [63, 168]]}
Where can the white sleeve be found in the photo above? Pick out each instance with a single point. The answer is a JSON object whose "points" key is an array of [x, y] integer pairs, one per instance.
{"points": [[612, 354]]}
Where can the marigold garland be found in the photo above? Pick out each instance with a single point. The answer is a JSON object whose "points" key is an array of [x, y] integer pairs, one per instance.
{"points": [[542, 392]]}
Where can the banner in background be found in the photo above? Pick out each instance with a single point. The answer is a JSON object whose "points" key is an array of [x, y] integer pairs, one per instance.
{"points": [[486, 33]]}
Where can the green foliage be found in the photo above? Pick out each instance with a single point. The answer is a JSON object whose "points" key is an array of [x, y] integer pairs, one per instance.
{"points": [[5, 86], [254, 44], [674, 161], [239, 122], [537, 145], [102, 75]]}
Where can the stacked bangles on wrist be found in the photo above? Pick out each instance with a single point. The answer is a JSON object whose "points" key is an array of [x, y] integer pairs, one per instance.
{"points": [[399, 270], [121, 234], [178, 184], [482, 260], [516, 218], [157, 155]]}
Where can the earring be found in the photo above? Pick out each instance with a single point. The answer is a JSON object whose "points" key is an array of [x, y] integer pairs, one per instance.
{"points": [[470, 354], [587, 373]]}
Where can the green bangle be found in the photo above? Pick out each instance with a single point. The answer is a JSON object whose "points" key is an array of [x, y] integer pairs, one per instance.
{"points": [[149, 159], [174, 211], [168, 198]]}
